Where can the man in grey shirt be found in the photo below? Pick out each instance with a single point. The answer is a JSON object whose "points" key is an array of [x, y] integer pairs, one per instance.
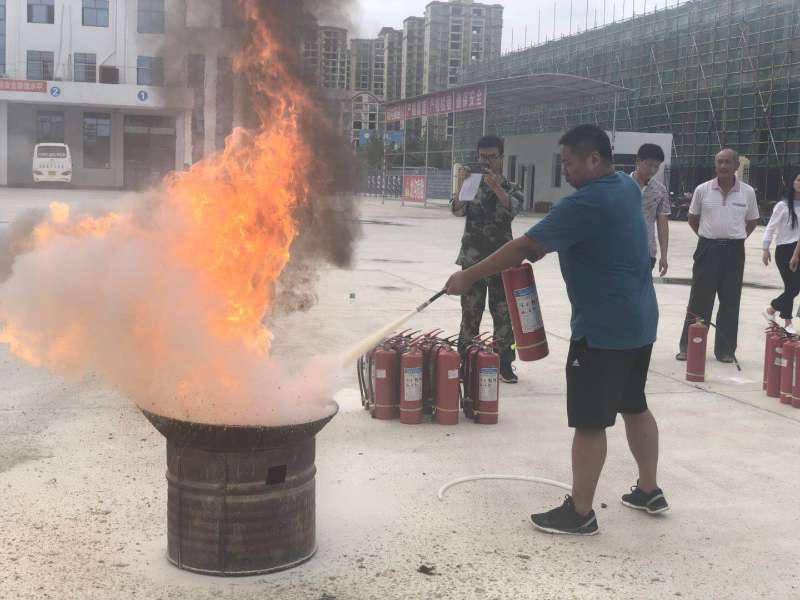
{"points": [[655, 202]]}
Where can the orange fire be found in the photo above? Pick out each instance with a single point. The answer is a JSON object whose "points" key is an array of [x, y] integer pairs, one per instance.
{"points": [[215, 244]]}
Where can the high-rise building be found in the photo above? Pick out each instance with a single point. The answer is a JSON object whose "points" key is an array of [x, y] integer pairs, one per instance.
{"points": [[413, 57], [393, 62], [334, 57], [375, 64], [458, 33]]}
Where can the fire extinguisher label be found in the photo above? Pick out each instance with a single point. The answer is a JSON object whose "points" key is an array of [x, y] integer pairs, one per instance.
{"points": [[452, 374], [530, 315], [380, 374], [487, 382], [412, 382]]}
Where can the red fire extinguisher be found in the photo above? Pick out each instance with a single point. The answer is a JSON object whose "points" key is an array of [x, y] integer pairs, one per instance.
{"points": [[696, 351], [796, 383], [771, 338], [526, 313], [787, 371], [774, 370], [411, 386], [384, 384], [447, 393], [486, 390]]}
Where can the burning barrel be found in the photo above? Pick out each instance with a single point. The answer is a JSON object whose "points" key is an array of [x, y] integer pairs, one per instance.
{"points": [[240, 499]]}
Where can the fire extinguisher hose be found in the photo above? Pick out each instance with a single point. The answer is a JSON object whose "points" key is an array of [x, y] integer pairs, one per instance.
{"points": [[442, 490]]}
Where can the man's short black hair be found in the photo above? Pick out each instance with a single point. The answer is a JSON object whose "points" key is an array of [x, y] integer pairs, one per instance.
{"points": [[585, 139], [650, 152], [491, 141]]}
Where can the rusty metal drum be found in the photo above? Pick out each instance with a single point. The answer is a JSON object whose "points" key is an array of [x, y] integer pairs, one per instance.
{"points": [[241, 500]]}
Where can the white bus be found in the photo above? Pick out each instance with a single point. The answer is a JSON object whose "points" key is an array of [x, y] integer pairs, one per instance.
{"points": [[52, 162]]}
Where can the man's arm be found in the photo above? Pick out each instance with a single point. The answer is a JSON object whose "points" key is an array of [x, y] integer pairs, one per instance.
{"points": [[510, 255], [457, 207], [694, 223], [663, 243], [753, 214], [695, 208]]}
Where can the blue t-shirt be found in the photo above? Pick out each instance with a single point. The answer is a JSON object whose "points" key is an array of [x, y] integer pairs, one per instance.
{"points": [[601, 239]]}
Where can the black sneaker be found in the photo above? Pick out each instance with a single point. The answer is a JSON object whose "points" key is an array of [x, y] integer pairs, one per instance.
{"points": [[654, 502], [565, 520], [681, 356], [507, 374]]}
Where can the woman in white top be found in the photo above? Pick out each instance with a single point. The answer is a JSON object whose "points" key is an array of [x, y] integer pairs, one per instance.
{"points": [[783, 226]]}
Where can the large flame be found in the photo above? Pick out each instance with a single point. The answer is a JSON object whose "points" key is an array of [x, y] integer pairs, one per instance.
{"points": [[167, 300]]}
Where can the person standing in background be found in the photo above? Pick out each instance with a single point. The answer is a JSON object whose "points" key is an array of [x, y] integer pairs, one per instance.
{"points": [[487, 229], [655, 203], [783, 227], [723, 213]]}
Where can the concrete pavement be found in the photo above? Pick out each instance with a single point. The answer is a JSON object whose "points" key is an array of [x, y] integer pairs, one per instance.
{"points": [[84, 497]]}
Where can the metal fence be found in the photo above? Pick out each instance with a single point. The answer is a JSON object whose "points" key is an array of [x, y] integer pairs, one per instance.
{"points": [[388, 183]]}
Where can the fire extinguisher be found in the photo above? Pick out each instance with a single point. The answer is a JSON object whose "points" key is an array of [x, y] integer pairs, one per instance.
{"points": [[526, 313], [411, 386], [384, 383], [696, 351], [787, 371], [447, 388], [486, 389], [774, 370], [770, 339], [796, 382]]}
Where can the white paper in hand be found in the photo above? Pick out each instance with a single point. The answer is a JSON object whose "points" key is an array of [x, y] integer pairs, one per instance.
{"points": [[470, 188]]}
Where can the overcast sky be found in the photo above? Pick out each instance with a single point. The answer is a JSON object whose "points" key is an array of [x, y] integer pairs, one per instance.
{"points": [[518, 15]]}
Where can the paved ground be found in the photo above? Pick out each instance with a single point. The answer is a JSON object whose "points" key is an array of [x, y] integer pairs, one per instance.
{"points": [[84, 497]]}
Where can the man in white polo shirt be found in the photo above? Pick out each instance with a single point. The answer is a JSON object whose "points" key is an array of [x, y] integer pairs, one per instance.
{"points": [[723, 213]]}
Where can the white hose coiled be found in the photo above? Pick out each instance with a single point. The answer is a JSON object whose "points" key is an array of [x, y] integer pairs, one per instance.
{"points": [[542, 480]]}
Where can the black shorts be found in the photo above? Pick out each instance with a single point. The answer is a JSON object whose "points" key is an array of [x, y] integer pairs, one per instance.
{"points": [[602, 383]]}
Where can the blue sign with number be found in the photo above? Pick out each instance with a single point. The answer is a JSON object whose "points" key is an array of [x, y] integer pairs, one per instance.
{"points": [[143, 96], [55, 91]]}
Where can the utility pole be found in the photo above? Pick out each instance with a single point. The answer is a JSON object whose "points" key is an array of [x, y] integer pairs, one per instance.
{"points": [[570, 17], [539, 29]]}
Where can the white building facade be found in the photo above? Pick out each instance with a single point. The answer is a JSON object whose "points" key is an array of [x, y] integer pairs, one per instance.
{"points": [[136, 88]]}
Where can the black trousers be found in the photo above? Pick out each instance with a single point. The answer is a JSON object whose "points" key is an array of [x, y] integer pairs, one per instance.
{"points": [[718, 271], [791, 280]]}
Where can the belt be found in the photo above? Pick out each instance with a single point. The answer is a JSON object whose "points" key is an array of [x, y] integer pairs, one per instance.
{"points": [[722, 242]]}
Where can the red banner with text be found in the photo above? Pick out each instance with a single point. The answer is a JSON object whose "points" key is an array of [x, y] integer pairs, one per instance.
{"points": [[441, 103]]}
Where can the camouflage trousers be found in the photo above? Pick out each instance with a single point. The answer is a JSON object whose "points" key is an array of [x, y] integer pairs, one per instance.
{"points": [[473, 304]]}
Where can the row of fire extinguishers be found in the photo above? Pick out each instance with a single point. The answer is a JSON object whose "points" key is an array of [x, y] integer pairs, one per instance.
{"points": [[781, 361], [412, 375], [782, 366]]}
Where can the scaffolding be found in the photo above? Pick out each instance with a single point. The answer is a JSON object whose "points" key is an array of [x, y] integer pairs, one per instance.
{"points": [[713, 73]]}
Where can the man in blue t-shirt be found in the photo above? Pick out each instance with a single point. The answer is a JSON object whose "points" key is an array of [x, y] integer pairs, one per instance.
{"points": [[601, 239]]}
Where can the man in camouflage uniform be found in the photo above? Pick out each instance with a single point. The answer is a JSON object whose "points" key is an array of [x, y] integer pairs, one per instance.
{"points": [[487, 229]]}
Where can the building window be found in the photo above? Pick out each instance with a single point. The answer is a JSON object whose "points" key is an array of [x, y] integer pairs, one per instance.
{"points": [[40, 65], [149, 70], [2, 36], [95, 13], [151, 16], [41, 11], [196, 77], [97, 140], [224, 116], [556, 170], [86, 67], [49, 126]]}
